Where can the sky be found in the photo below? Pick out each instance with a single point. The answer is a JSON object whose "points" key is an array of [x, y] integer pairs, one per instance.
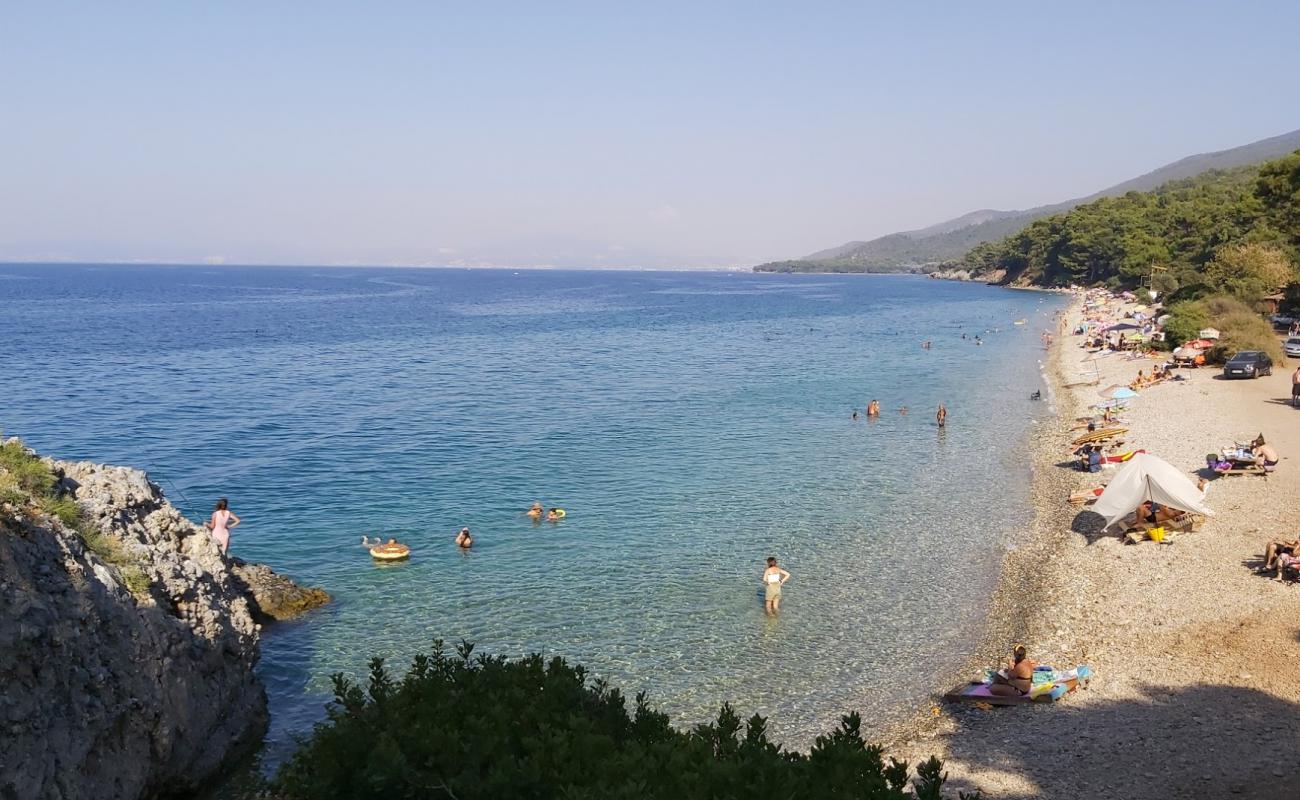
{"points": [[657, 134]]}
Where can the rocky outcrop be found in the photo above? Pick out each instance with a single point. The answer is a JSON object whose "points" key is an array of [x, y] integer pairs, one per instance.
{"points": [[994, 277], [273, 597], [127, 646]]}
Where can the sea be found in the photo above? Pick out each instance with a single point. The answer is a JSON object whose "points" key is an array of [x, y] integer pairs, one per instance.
{"points": [[690, 423]]}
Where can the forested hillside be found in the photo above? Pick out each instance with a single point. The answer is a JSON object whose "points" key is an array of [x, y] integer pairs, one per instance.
{"points": [[1180, 226], [908, 251]]}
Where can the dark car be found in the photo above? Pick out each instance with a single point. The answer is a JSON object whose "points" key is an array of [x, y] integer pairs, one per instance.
{"points": [[1248, 364]]}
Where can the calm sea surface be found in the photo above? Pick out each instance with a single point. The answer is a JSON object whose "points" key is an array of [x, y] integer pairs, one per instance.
{"points": [[691, 424]]}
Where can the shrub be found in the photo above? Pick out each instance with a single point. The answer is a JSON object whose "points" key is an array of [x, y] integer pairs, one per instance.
{"points": [[27, 471], [1245, 331], [65, 508], [486, 727], [1185, 321]]}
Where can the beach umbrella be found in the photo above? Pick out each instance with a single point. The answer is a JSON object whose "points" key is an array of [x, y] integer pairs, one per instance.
{"points": [[1199, 344], [1123, 393]]}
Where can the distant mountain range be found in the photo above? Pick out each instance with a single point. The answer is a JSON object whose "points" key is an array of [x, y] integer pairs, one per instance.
{"points": [[911, 250]]}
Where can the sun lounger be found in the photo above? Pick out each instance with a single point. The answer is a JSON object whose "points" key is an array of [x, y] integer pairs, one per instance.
{"points": [[1101, 435]]}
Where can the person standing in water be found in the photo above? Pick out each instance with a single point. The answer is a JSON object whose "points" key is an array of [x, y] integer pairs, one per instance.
{"points": [[941, 416], [873, 408], [464, 540], [773, 579], [222, 520]]}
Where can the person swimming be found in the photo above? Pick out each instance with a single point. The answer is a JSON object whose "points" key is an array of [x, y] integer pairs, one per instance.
{"points": [[536, 511], [941, 416], [554, 515], [464, 540]]}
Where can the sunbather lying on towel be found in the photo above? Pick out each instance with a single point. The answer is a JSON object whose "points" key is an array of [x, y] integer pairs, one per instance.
{"points": [[1017, 678], [1153, 513], [1086, 495]]}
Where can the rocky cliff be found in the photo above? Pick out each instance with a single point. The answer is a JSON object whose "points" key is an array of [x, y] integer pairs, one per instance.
{"points": [[127, 645]]}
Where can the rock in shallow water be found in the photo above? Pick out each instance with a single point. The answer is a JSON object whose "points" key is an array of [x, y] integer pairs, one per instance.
{"points": [[273, 597]]}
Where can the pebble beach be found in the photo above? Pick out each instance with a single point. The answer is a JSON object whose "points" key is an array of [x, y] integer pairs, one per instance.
{"points": [[1194, 652]]}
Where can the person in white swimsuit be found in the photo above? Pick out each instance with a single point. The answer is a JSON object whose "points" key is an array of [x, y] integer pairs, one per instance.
{"points": [[223, 519], [773, 579]]}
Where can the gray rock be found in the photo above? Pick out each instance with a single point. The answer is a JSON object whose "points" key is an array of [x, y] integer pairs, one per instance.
{"points": [[110, 693]]}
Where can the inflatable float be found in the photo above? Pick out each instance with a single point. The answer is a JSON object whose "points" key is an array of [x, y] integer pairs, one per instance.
{"points": [[1120, 458], [1049, 685], [390, 552]]}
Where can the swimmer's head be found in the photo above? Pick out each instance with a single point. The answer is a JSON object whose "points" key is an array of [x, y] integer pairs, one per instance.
{"points": [[221, 503], [771, 561]]}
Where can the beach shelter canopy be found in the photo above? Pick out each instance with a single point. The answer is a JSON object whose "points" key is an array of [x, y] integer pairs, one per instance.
{"points": [[1145, 477]]}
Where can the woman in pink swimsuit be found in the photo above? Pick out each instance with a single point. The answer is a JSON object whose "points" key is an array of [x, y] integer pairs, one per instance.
{"points": [[221, 523]]}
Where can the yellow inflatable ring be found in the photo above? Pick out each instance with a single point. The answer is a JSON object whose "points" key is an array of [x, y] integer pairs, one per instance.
{"points": [[390, 552], [560, 513]]}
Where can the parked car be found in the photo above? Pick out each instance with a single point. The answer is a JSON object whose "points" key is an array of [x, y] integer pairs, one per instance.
{"points": [[1281, 321], [1292, 347], [1248, 364]]}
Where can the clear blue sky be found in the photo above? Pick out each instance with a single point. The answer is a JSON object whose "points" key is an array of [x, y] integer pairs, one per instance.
{"points": [[603, 133]]}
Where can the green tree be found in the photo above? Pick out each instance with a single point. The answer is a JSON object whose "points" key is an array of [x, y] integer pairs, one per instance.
{"points": [[1278, 190], [1249, 271], [475, 727]]}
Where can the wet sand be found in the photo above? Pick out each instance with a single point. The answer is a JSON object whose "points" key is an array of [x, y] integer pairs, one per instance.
{"points": [[1197, 657]]}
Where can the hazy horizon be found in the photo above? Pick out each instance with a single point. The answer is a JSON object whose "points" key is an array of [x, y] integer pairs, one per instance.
{"points": [[586, 135]]}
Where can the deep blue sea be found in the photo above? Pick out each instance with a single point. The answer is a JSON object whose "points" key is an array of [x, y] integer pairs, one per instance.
{"points": [[690, 423]]}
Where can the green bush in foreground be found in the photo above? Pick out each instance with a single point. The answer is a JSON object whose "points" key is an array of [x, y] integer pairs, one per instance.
{"points": [[482, 727]]}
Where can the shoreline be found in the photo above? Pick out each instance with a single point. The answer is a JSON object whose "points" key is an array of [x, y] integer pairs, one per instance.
{"points": [[1192, 651], [1021, 586]]}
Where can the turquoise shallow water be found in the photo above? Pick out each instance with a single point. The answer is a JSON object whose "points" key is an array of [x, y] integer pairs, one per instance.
{"points": [[690, 423]]}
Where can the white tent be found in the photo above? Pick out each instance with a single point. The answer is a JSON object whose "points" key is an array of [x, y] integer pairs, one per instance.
{"points": [[1145, 477]]}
